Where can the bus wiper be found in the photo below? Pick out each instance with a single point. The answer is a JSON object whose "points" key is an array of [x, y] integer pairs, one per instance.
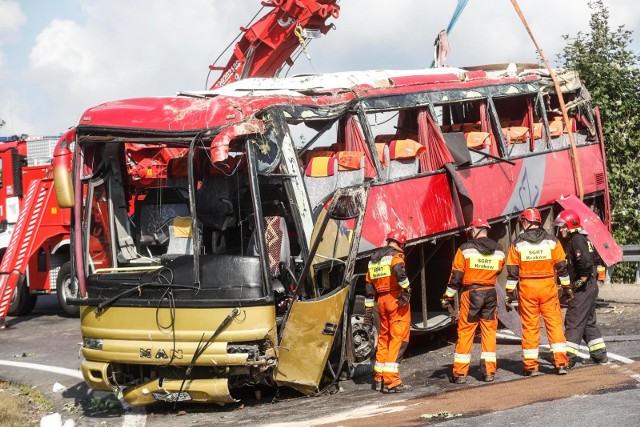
{"points": [[138, 288]]}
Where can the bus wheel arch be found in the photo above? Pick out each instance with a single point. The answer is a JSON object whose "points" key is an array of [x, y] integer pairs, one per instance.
{"points": [[67, 287]]}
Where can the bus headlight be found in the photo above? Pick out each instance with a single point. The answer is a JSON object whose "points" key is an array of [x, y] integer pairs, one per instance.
{"points": [[93, 343]]}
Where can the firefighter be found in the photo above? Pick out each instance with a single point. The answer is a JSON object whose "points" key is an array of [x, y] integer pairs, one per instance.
{"points": [[387, 282], [580, 318], [533, 259], [476, 265]]}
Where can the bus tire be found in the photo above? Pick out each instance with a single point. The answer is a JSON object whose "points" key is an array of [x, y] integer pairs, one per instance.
{"points": [[22, 303], [67, 288], [364, 341]]}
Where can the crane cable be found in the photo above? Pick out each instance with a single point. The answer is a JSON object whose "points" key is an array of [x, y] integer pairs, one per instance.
{"points": [[575, 162], [456, 14], [454, 18]]}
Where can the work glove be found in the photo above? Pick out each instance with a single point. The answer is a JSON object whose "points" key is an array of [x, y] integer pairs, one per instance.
{"points": [[404, 297], [568, 293], [446, 301], [578, 284], [508, 301]]}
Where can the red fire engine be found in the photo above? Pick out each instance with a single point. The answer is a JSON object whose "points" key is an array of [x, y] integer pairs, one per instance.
{"points": [[34, 229]]}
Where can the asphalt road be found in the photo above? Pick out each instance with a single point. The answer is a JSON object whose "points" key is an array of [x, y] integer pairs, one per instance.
{"points": [[43, 349]]}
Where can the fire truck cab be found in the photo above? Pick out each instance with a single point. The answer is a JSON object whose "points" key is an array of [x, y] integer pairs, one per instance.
{"points": [[40, 253]]}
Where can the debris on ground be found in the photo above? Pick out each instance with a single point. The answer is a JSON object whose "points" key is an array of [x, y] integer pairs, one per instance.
{"points": [[58, 388], [24, 354], [439, 415], [55, 420]]}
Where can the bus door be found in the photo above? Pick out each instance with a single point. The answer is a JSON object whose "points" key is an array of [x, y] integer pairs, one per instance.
{"points": [[312, 324]]}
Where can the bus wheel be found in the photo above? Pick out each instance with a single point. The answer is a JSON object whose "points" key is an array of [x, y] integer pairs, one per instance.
{"points": [[21, 302], [67, 288], [364, 340]]}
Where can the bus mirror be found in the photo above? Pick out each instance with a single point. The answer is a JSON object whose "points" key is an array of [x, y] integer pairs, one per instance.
{"points": [[62, 180]]}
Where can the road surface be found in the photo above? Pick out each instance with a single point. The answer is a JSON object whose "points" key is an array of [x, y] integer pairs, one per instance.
{"points": [[43, 349]]}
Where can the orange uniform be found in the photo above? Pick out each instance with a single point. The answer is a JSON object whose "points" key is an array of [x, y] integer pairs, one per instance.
{"points": [[534, 258], [386, 281], [476, 265]]}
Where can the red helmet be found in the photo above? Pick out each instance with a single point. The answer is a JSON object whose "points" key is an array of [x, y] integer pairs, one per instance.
{"points": [[397, 235], [480, 223], [531, 215], [569, 218]]}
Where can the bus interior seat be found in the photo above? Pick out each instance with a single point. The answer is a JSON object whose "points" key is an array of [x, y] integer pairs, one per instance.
{"points": [[154, 212], [350, 168], [321, 179], [177, 172], [478, 141], [517, 138], [404, 157], [317, 152], [214, 204], [180, 237]]}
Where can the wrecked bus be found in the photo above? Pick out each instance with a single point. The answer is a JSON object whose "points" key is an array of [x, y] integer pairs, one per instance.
{"points": [[245, 266]]}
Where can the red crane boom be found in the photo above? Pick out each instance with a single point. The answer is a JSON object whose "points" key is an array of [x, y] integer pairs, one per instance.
{"points": [[268, 44]]}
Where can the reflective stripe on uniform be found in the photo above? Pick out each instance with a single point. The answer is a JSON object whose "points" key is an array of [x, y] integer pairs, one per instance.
{"points": [[564, 281], [391, 367], [368, 302], [573, 348], [559, 347], [378, 367], [471, 252], [596, 344], [451, 292], [404, 284], [530, 353], [511, 285], [488, 356], [524, 244], [461, 358]]}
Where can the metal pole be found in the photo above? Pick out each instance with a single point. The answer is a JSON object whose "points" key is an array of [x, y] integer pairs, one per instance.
{"points": [[423, 289]]}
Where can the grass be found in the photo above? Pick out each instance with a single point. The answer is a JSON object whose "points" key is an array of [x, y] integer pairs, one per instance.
{"points": [[21, 405]]}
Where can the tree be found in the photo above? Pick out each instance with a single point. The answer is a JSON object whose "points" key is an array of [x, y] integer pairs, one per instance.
{"points": [[609, 69]]}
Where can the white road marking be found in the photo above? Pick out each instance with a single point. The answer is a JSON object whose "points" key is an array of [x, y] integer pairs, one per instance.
{"points": [[46, 368], [610, 355], [613, 356], [137, 417]]}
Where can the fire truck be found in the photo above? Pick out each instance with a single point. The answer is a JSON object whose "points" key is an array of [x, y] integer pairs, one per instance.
{"points": [[32, 221], [245, 266]]}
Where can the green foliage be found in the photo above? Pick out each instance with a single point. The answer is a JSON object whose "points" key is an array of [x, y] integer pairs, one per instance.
{"points": [[609, 69]]}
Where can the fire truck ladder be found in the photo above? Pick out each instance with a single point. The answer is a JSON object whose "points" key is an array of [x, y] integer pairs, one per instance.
{"points": [[23, 240]]}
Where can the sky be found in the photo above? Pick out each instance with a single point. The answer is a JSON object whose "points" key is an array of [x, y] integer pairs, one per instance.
{"points": [[59, 58]]}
